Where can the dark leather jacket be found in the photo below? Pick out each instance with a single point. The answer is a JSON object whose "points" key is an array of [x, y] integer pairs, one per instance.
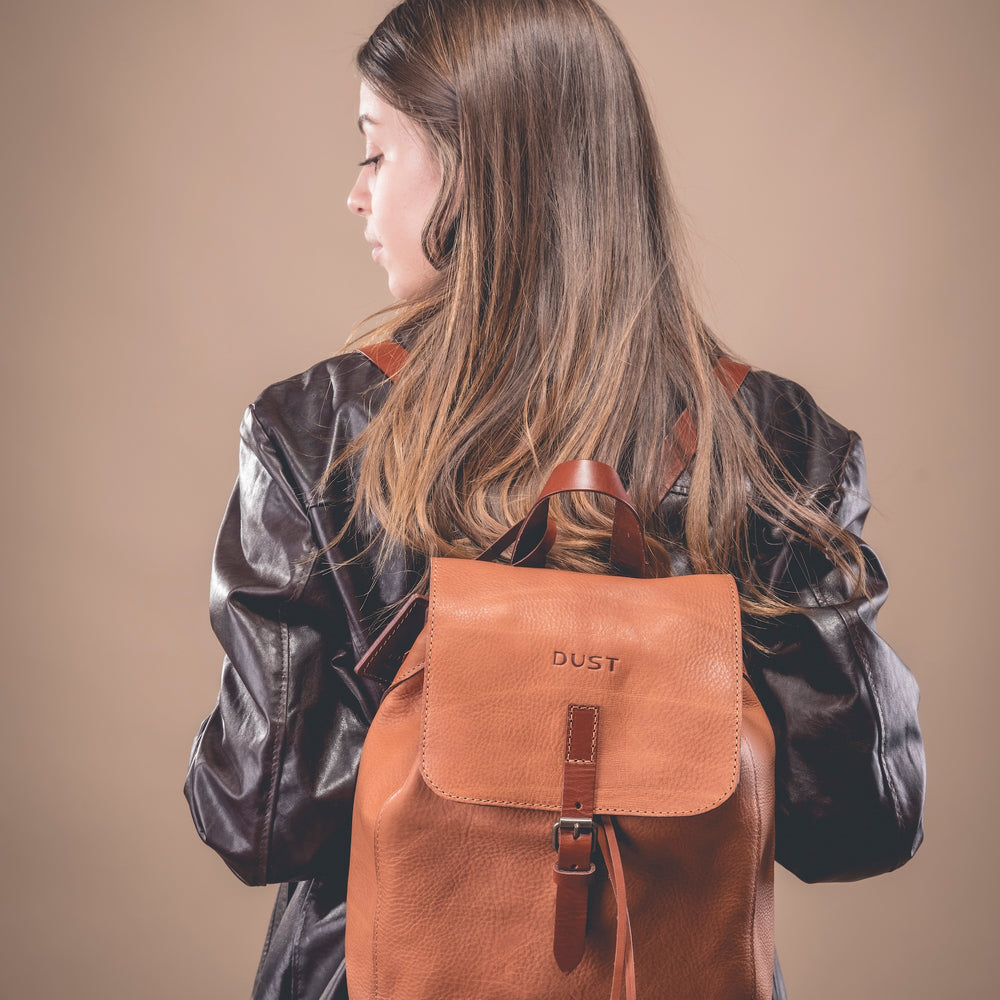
{"points": [[271, 776]]}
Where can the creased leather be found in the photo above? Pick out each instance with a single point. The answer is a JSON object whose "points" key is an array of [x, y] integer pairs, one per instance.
{"points": [[272, 772]]}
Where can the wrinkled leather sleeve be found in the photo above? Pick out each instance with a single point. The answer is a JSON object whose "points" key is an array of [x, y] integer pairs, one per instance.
{"points": [[271, 777], [850, 771]]}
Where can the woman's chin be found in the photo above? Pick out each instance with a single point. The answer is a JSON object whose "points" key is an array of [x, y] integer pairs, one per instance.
{"points": [[403, 287]]}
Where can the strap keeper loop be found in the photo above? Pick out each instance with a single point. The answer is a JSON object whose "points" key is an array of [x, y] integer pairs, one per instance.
{"points": [[585, 872]]}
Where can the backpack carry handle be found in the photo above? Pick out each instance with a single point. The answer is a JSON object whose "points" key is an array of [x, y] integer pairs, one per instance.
{"points": [[628, 546], [535, 556]]}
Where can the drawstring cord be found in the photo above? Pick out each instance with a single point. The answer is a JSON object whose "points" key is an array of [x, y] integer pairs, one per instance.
{"points": [[624, 957]]}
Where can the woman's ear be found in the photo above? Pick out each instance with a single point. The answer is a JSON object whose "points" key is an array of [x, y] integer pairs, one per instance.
{"points": [[442, 229]]}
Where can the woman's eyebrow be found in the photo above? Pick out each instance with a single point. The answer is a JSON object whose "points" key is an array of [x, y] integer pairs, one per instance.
{"points": [[364, 120]]}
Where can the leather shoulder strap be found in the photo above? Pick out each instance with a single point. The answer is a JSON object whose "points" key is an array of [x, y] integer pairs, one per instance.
{"points": [[679, 446], [388, 356]]}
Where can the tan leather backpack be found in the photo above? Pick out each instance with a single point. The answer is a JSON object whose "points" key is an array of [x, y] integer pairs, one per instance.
{"points": [[567, 790]]}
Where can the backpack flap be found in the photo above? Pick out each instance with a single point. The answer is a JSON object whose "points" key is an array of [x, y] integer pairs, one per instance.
{"points": [[510, 648]]}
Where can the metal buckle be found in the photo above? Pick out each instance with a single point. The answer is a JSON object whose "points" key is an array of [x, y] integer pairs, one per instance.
{"points": [[578, 826]]}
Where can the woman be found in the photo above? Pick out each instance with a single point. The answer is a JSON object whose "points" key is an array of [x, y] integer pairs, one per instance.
{"points": [[512, 189]]}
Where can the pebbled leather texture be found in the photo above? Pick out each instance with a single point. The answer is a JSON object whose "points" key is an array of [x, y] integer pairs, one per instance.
{"points": [[428, 863], [517, 675], [272, 771]]}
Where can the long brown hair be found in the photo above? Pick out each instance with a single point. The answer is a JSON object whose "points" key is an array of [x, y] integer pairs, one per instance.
{"points": [[562, 325]]}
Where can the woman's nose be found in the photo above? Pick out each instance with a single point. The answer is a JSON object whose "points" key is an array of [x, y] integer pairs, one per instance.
{"points": [[358, 201]]}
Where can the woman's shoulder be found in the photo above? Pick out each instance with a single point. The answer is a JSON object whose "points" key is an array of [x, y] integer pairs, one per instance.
{"points": [[810, 443], [309, 417], [345, 381]]}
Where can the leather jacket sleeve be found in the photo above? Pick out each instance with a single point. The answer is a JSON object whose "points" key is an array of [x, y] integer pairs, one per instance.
{"points": [[271, 777], [850, 770]]}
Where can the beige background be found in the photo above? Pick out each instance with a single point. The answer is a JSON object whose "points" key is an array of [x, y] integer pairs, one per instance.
{"points": [[174, 238]]}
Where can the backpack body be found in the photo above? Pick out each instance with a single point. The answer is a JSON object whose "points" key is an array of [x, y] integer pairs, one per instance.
{"points": [[464, 775]]}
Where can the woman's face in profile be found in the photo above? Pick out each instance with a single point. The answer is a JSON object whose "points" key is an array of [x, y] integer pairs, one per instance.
{"points": [[394, 193]]}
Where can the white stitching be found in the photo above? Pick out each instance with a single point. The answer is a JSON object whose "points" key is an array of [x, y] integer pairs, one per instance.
{"points": [[593, 739]]}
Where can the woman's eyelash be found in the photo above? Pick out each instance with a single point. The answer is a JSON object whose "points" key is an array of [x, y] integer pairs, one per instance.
{"points": [[371, 159]]}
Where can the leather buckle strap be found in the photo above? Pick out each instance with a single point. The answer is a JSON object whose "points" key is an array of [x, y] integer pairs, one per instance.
{"points": [[573, 836], [681, 442], [386, 654]]}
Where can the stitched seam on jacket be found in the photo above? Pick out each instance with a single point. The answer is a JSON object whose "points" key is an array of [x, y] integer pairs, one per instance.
{"points": [[300, 924], [281, 727], [286, 888], [280, 723], [275, 919], [278, 744]]}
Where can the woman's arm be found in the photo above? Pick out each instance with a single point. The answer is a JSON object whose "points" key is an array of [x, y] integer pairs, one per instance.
{"points": [[271, 778], [850, 760]]}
